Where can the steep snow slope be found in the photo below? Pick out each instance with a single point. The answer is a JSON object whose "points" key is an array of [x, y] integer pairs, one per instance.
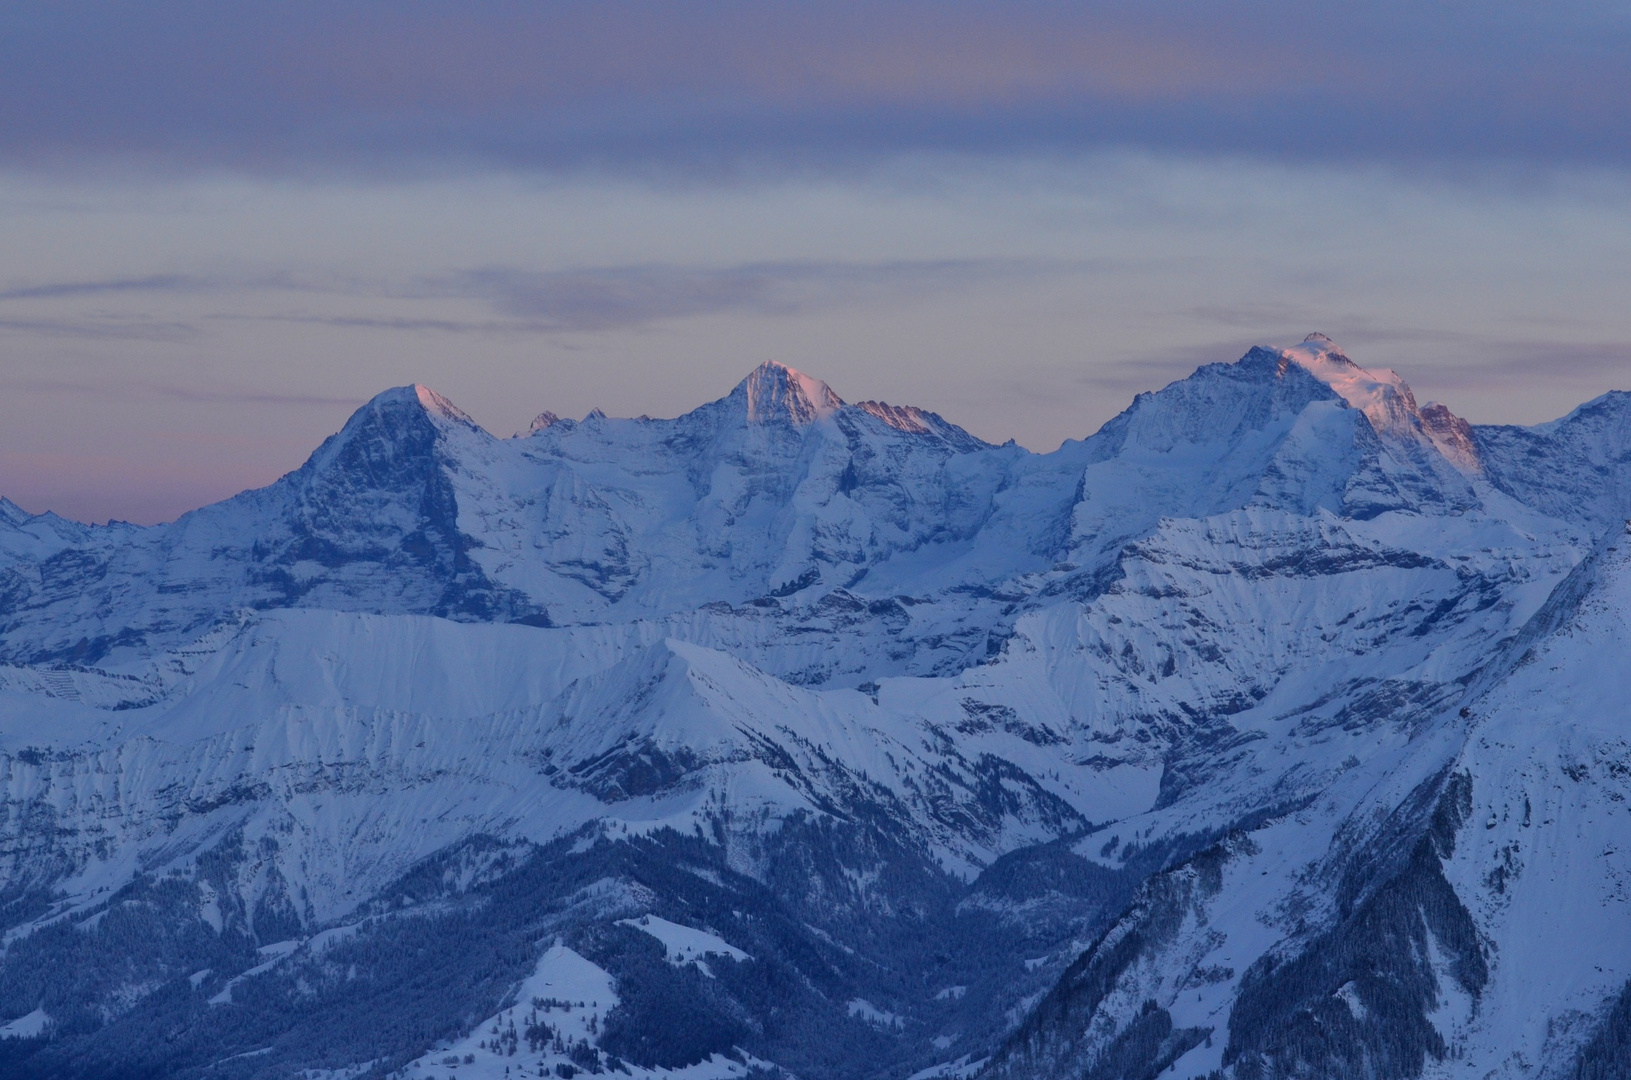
{"points": [[1543, 865], [1449, 906], [904, 718], [1387, 402], [1574, 468], [413, 509], [778, 490]]}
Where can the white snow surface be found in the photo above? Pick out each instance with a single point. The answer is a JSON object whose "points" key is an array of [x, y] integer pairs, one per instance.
{"points": [[575, 996], [25, 1027], [1550, 745], [869, 1012], [683, 944], [1386, 401], [1273, 584]]}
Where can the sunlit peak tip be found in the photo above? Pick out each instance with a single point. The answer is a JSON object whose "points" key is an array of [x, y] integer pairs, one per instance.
{"points": [[777, 391], [1321, 344], [1322, 356], [437, 405]]}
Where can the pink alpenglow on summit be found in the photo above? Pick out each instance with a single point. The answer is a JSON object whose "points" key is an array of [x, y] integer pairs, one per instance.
{"points": [[1386, 400], [775, 391]]}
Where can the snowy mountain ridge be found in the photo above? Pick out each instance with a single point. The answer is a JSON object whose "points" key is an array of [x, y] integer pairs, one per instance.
{"points": [[1386, 401], [1192, 745]]}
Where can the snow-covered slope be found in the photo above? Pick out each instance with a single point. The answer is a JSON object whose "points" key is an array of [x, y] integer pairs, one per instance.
{"points": [[1449, 907], [1195, 743]]}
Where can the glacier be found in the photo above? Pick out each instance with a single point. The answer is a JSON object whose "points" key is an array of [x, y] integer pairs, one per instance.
{"points": [[1273, 730]]}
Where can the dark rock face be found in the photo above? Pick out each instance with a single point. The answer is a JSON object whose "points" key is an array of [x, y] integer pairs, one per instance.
{"points": [[1355, 1001], [370, 522], [1608, 1054], [376, 502]]}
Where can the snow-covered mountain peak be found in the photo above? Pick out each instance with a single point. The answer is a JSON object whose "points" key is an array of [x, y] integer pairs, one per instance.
{"points": [[398, 423], [915, 421], [439, 407], [1306, 736], [1451, 434], [907, 418], [407, 402], [776, 392], [1380, 395], [542, 422], [1386, 400]]}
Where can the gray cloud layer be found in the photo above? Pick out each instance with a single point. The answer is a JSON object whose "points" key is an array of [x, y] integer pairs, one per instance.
{"points": [[375, 86]]}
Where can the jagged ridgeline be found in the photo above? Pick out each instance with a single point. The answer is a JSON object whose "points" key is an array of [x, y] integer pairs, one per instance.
{"points": [[1278, 729]]}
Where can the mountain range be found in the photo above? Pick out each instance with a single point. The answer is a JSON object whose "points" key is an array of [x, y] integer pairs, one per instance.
{"points": [[1274, 730]]}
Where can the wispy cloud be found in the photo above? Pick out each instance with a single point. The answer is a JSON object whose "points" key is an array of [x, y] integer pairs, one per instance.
{"points": [[247, 396], [68, 289], [127, 389], [608, 298], [397, 324], [101, 327], [175, 284], [633, 296], [1515, 364], [23, 304]]}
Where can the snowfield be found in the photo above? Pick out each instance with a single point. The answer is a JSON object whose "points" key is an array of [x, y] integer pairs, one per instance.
{"points": [[1277, 729]]}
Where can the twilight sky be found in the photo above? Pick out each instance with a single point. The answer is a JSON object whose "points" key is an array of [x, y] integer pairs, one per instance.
{"points": [[224, 225]]}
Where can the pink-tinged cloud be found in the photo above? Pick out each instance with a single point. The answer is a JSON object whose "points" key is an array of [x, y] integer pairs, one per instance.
{"points": [[831, 55], [375, 85]]}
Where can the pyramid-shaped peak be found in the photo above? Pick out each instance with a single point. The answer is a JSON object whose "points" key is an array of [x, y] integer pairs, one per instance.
{"points": [[1317, 348], [11, 513], [413, 398], [1366, 390], [439, 406], [402, 417], [1385, 399], [775, 392]]}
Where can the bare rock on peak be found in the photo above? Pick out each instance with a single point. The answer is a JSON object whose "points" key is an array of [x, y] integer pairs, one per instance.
{"points": [[775, 392]]}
